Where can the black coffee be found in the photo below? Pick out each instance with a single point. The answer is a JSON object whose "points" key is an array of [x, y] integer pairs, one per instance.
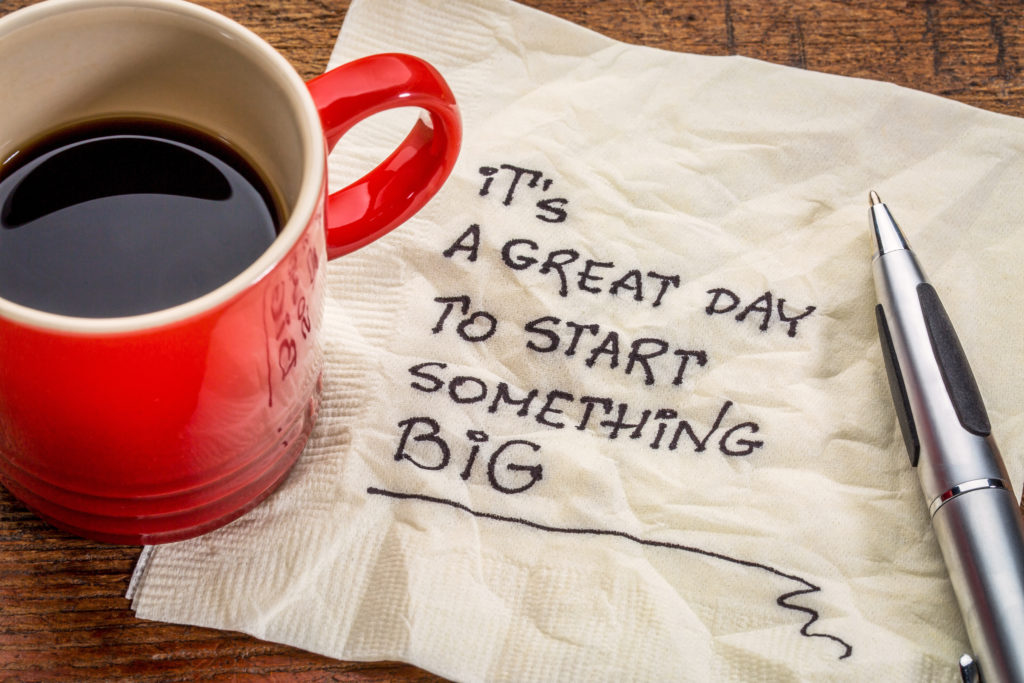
{"points": [[123, 217]]}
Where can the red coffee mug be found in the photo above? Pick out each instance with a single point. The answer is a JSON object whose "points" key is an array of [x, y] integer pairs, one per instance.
{"points": [[162, 426]]}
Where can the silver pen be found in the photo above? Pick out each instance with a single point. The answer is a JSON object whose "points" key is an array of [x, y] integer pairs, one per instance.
{"points": [[946, 429]]}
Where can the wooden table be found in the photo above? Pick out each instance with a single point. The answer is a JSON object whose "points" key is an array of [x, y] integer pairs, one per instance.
{"points": [[62, 610]]}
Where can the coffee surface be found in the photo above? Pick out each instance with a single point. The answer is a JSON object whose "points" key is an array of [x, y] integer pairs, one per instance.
{"points": [[125, 217]]}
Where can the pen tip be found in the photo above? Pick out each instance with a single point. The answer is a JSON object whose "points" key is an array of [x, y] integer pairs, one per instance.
{"points": [[888, 236]]}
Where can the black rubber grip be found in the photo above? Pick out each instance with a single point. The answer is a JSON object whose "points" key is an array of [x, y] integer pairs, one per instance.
{"points": [[897, 389], [956, 373]]}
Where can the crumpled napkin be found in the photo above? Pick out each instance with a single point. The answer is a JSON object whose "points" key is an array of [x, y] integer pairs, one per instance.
{"points": [[612, 406]]}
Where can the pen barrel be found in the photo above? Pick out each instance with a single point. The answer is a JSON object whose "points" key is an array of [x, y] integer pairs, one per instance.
{"points": [[944, 423], [981, 537], [946, 429]]}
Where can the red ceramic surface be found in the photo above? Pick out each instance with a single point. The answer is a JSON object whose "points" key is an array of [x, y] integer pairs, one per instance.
{"points": [[164, 428]]}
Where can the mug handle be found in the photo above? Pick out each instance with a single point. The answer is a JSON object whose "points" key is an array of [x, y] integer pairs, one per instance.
{"points": [[401, 184]]}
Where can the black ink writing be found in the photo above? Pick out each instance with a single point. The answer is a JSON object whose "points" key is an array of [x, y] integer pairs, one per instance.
{"points": [[477, 326], [708, 427], [726, 301], [587, 275], [647, 356], [661, 428], [786, 600], [552, 209], [505, 472], [469, 241]]}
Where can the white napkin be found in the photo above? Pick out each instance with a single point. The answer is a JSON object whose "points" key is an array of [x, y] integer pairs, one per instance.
{"points": [[612, 406]]}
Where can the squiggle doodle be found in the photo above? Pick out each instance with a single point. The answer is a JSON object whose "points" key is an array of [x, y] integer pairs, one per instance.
{"points": [[785, 600]]}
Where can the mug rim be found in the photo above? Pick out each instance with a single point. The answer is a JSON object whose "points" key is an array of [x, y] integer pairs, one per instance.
{"points": [[302, 211]]}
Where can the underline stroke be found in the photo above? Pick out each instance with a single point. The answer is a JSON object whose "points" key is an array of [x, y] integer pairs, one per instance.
{"points": [[784, 600]]}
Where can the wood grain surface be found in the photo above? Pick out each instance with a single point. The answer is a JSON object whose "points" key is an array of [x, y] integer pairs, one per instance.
{"points": [[62, 611]]}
